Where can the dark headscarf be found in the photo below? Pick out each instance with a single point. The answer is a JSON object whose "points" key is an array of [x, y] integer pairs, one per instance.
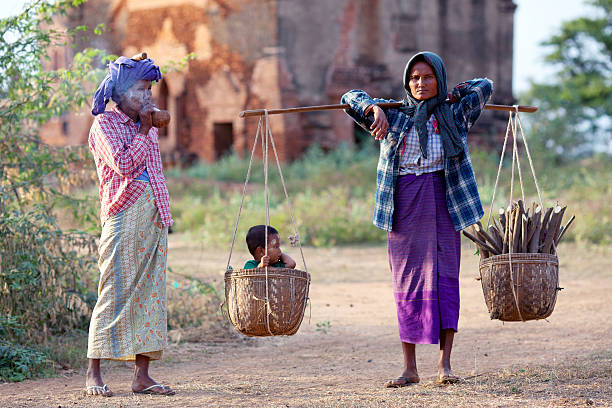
{"points": [[420, 110], [122, 74]]}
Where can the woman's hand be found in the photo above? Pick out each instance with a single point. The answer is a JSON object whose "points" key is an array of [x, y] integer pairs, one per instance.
{"points": [[381, 125], [146, 119]]}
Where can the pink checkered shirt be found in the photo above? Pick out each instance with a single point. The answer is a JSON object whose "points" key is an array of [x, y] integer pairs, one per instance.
{"points": [[122, 154]]}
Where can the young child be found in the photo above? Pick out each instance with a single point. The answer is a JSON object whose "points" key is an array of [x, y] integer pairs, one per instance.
{"points": [[256, 243]]}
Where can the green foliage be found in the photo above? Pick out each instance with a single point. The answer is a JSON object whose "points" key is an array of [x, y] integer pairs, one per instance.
{"points": [[193, 303], [45, 279], [332, 197], [17, 362], [323, 327], [575, 115], [315, 170]]}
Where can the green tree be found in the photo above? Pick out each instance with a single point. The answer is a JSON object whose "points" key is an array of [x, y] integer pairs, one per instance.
{"points": [[46, 287], [575, 115]]}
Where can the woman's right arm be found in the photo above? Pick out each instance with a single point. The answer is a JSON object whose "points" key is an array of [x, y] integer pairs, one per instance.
{"points": [[361, 105], [123, 159]]}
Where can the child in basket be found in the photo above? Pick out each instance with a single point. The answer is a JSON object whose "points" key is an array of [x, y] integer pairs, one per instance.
{"points": [[256, 243]]}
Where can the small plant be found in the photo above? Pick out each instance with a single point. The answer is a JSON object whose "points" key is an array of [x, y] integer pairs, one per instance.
{"points": [[17, 362], [323, 327], [193, 303]]}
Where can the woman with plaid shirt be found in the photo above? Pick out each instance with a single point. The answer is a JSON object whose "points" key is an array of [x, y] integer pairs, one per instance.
{"points": [[128, 322], [426, 193]]}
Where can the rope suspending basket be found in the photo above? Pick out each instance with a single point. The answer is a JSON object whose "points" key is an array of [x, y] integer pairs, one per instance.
{"points": [[519, 268], [266, 301]]}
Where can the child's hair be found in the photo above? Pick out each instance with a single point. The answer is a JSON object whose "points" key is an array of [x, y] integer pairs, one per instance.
{"points": [[256, 237]]}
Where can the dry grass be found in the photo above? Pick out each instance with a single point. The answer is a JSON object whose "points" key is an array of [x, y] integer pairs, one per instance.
{"points": [[577, 383]]}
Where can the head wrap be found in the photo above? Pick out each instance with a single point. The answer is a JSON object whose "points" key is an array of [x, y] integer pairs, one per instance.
{"points": [[122, 74], [420, 110]]}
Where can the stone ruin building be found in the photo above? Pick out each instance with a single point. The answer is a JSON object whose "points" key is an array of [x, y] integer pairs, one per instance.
{"points": [[251, 54]]}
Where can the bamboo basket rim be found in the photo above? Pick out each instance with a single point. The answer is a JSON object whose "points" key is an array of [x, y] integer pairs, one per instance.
{"points": [[272, 272], [521, 258]]}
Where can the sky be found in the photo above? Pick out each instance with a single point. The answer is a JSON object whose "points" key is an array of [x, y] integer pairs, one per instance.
{"points": [[534, 22]]}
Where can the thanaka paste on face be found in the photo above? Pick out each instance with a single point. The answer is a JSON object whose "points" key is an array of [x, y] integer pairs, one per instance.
{"points": [[137, 95]]}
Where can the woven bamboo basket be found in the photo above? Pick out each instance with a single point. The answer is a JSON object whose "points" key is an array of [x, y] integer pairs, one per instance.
{"points": [[536, 281], [245, 296]]}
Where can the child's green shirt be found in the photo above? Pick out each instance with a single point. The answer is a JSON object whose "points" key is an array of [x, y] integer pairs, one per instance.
{"points": [[253, 264]]}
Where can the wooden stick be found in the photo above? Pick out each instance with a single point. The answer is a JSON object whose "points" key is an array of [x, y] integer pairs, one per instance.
{"points": [[479, 243], [524, 233], [496, 235], [516, 232], [564, 229], [482, 251], [521, 206], [553, 228], [534, 241], [389, 105], [544, 229], [532, 215], [484, 236], [499, 227], [502, 218], [508, 218]]}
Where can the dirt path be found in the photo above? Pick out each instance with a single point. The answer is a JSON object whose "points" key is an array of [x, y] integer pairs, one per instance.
{"points": [[351, 347]]}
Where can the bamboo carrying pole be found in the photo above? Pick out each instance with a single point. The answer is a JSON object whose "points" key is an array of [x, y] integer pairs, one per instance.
{"points": [[259, 112]]}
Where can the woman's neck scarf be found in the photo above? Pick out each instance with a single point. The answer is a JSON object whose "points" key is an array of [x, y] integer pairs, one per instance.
{"points": [[122, 74], [421, 110]]}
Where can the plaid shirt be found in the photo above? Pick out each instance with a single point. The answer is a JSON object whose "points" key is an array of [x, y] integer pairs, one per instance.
{"points": [[411, 159], [467, 102], [121, 155]]}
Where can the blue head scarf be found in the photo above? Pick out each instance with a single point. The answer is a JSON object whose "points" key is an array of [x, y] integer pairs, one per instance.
{"points": [[421, 110], [122, 74]]}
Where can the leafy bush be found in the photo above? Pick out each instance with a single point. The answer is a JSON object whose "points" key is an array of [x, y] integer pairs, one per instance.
{"points": [[45, 280], [16, 362]]}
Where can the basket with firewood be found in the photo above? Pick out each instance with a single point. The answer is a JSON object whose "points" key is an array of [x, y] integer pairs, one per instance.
{"points": [[524, 241], [519, 268]]}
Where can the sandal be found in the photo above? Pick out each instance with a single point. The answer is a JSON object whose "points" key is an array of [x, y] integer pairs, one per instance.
{"points": [[448, 379], [400, 382], [149, 390], [106, 392]]}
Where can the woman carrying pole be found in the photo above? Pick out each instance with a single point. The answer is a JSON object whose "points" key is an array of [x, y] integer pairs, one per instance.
{"points": [[426, 193]]}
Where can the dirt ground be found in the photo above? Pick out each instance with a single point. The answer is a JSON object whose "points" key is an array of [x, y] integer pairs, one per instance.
{"points": [[348, 346]]}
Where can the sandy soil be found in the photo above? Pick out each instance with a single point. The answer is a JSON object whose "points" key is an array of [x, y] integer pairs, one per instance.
{"points": [[348, 346]]}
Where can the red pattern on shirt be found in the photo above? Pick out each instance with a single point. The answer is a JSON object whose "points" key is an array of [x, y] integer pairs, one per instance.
{"points": [[122, 154]]}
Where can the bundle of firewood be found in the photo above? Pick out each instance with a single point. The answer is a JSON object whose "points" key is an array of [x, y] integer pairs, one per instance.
{"points": [[520, 230]]}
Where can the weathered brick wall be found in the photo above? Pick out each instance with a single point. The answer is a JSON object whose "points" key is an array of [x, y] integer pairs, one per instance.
{"points": [[332, 47], [271, 53]]}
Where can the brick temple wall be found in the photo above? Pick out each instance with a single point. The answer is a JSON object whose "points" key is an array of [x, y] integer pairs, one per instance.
{"points": [[269, 53]]}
